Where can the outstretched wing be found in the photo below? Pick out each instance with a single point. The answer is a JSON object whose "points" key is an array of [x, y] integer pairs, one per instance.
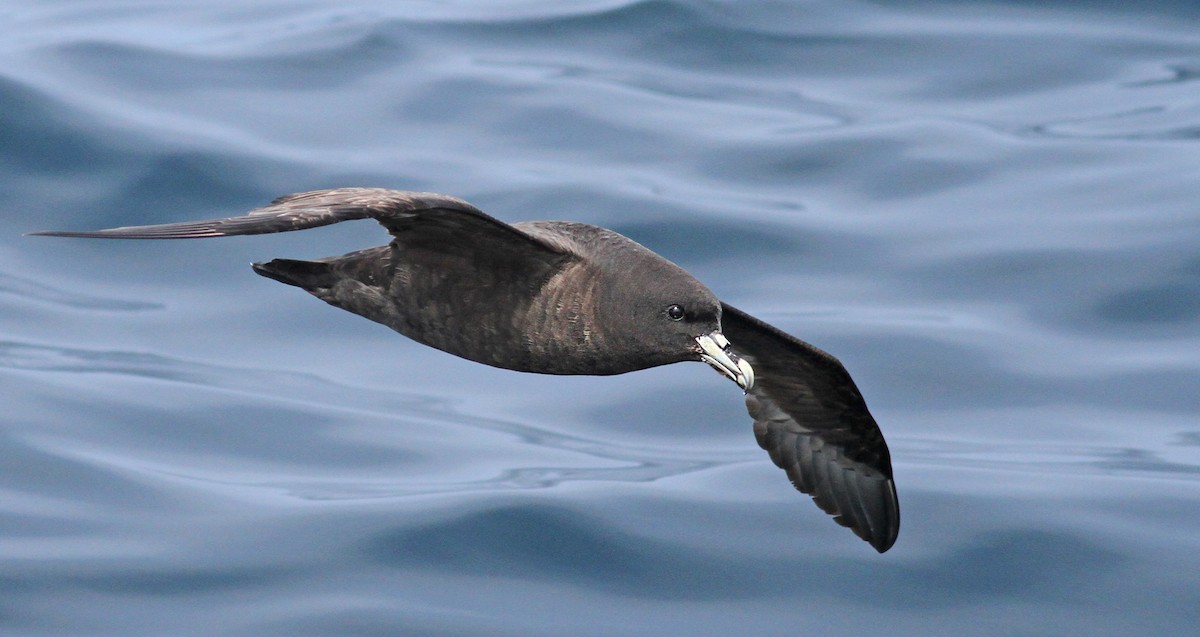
{"points": [[811, 418], [396, 210]]}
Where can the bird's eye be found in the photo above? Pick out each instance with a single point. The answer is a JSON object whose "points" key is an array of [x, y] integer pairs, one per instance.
{"points": [[675, 312]]}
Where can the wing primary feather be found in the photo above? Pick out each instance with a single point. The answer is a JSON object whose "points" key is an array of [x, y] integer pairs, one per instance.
{"points": [[394, 209], [810, 417]]}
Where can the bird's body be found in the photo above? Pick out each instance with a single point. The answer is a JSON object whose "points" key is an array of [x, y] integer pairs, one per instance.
{"points": [[569, 298]]}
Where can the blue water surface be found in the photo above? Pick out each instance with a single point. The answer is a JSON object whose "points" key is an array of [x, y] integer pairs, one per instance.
{"points": [[990, 211]]}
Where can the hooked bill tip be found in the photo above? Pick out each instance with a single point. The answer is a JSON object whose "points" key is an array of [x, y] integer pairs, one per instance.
{"points": [[714, 350]]}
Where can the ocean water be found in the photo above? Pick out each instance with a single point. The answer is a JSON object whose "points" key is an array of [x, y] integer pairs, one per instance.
{"points": [[990, 211]]}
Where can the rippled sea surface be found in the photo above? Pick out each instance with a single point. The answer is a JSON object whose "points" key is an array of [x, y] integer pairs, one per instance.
{"points": [[990, 211]]}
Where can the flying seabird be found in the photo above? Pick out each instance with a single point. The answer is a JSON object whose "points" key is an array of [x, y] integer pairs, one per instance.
{"points": [[557, 297]]}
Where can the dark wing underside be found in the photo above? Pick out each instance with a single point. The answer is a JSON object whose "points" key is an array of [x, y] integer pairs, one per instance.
{"points": [[397, 210], [811, 418]]}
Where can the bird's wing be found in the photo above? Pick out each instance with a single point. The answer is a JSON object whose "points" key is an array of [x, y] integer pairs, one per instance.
{"points": [[811, 418], [397, 210]]}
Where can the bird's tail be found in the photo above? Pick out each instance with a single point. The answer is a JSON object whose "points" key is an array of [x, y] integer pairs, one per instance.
{"points": [[356, 282], [303, 274]]}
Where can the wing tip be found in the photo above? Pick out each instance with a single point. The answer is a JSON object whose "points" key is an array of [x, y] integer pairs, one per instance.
{"points": [[52, 233], [883, 536], [79, 234], [882, 543], [881, 546], [132, 232]]}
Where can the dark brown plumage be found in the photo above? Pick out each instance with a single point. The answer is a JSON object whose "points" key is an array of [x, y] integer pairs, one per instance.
{"points": [[568, 298]]}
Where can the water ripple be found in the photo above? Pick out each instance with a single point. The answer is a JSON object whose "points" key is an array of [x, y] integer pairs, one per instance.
{"points": [[38, 291], [986, 209], [635, 462]]}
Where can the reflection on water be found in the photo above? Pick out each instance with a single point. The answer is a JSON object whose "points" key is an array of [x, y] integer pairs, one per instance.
{"points": [[985, 210]]}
